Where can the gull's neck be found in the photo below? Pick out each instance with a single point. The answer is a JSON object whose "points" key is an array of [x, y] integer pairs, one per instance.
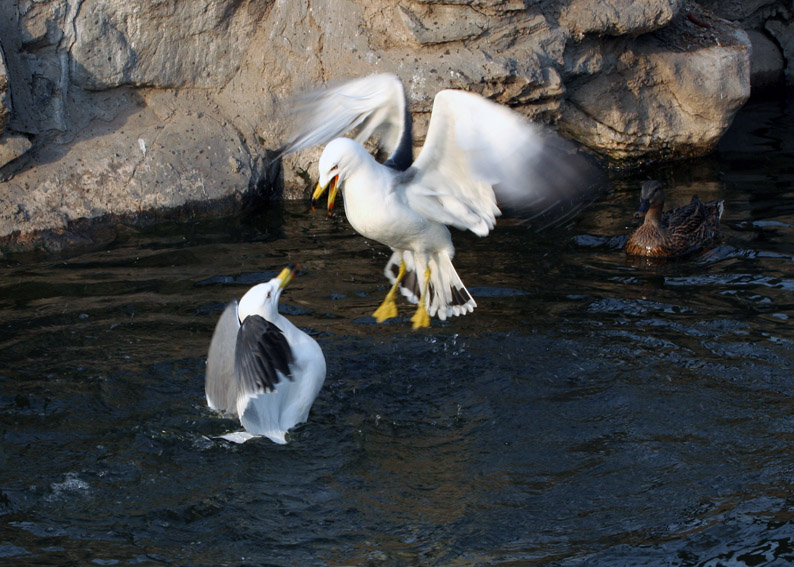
{"points": [[361, 169]]}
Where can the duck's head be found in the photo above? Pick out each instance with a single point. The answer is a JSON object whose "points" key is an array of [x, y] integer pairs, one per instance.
{"points": [[338, 160], [262, 299], [651, 195]]}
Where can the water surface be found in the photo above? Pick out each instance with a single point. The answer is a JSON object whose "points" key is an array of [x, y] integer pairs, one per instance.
{"points": [[594, 409]]}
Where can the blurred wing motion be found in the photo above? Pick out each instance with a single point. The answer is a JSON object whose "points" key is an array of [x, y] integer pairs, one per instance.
{"points": [[480, 156], [375, 105]]}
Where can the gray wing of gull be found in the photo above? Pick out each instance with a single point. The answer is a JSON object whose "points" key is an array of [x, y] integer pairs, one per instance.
{"points": [[220, 385]]}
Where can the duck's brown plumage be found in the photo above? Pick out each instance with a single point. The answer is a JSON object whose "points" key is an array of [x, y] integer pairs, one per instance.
{"points": [[675, 232]]}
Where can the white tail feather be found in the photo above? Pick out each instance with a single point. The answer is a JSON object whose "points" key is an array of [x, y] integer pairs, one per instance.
{"points": [[448, 298]]}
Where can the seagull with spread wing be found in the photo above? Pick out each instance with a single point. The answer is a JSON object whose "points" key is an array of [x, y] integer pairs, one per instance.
{"points": [[478, 155]]}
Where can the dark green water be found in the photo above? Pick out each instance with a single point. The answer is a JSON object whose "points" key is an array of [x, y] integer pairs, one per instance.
{"points": [[592, 411]]}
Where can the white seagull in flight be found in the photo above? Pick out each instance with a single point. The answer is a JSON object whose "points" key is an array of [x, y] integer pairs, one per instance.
{"points": [[477, 156]]}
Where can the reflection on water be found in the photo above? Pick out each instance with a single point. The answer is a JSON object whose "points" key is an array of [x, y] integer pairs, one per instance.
{"points": [[594, 410]]}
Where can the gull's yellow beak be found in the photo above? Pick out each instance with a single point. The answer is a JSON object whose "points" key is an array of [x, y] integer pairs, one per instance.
{"points": [[286, 275], [319, 190]]}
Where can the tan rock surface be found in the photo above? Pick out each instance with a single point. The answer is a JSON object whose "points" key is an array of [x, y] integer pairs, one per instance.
{"points": [[158, 104]]}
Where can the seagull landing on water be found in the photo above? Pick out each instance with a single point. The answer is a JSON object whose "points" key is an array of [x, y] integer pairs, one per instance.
{"points": [[478, 155], [261, 367]]}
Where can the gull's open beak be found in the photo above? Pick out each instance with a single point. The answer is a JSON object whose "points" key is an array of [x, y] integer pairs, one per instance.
{"points": [[332, 194], [319, 190], [286, 275]]}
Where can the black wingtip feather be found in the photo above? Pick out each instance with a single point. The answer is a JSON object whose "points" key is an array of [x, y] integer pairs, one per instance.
{"points": [[261, 353]]}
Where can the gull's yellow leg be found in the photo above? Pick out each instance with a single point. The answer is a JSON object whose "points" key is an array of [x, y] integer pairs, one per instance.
{"points": [[388, 308], [421, 318]]}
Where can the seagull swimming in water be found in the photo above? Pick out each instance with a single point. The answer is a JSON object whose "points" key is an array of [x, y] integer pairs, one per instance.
{"points": [[262, 368], [477, 156]]}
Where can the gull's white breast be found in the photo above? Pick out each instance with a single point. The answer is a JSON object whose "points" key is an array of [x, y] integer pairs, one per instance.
{"points": [[376, 207]]}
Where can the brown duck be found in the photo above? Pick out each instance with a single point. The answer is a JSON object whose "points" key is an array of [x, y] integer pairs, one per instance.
{"points": [[675, 232]]}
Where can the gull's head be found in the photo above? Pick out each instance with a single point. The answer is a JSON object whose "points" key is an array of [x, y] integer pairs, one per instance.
{"points": [[338, 160], [262, 299]]}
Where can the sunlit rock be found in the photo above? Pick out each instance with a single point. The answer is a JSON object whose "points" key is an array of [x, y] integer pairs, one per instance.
{"points": [[12, 146], [200, 84], [668, 94]]}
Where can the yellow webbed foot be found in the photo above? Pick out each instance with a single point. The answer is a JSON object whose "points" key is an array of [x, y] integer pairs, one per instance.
{"points": [[387, 310], [420, 319]]}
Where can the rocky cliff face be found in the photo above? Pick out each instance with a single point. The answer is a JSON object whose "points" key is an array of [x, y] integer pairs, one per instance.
{"points": [[112, 108]]}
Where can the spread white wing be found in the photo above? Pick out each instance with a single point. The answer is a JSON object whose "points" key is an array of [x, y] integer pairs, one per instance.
{"points": [[479, 155], [374, 104]]}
